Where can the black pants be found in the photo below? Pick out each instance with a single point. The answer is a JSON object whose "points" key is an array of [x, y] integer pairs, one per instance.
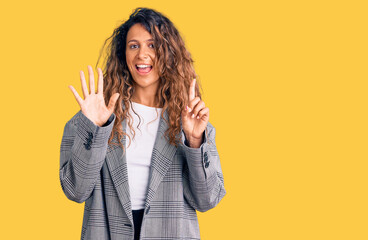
{"points": [[137, 219]]}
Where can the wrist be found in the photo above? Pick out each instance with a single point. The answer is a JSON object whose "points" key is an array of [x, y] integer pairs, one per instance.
{"points": [[193, 142]]}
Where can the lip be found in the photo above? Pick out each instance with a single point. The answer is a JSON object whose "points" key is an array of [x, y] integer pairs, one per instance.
{"points": [[140, 73]]}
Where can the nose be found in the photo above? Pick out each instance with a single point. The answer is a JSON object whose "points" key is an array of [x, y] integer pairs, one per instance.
{"points": [[143, 52]]}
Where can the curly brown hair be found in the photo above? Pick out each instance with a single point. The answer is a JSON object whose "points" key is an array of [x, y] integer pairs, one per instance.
{"points": [[175, 70]]}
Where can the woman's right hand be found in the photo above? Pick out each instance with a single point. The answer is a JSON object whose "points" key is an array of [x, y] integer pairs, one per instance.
{"points": [[93, 106]]}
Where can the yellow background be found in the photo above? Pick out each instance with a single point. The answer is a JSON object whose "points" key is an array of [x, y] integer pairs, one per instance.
{"points": [[286, 84]]}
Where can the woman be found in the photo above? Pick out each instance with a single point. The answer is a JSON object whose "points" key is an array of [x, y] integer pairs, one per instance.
{"points": [[147, 161]]}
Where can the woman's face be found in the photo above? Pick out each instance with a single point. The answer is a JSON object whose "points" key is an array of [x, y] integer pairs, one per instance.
{"points": [[140, 54]]}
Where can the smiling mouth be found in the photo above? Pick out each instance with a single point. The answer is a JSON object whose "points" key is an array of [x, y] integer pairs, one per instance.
{"points": [[143, 69]]}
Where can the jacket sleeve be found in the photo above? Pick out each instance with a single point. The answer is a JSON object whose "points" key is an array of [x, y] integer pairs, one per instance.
{"points": [[82, 154], [203, 180]]}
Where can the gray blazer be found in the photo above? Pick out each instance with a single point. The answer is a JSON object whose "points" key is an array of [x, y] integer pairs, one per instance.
{"points": [[182, 180]]}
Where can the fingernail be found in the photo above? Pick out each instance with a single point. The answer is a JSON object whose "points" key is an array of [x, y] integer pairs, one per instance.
{"points": [[188, 109], [192, 115], [197, 117]]}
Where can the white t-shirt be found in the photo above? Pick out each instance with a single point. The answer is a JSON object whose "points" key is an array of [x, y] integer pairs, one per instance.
{"points": [[139, 153]]}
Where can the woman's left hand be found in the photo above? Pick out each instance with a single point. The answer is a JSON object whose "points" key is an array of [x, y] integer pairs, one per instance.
{"points": [[195, 118]]}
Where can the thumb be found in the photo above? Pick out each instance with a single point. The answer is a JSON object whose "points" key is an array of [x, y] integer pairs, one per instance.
{"points": [[112, 102]]}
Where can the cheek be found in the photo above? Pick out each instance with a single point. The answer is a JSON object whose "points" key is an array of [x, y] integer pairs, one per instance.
{"points": [[130, 68], [129, 61], [153, 62]]}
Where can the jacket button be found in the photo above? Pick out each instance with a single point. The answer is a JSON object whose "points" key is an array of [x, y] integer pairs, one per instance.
{"points": [[87, 146], [207, 164], [147, 210], [90, 135], [205, 157], [89, 141]]}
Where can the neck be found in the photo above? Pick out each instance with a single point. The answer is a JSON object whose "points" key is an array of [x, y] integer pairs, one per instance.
{"points": [[145, 97]]}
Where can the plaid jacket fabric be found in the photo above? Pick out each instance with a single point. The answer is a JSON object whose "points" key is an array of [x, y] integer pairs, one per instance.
{"points": [[182, 180]]}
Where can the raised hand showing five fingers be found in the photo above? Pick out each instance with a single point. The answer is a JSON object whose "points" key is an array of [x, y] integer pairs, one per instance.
{"points": [[195, 118], [93, 106]]}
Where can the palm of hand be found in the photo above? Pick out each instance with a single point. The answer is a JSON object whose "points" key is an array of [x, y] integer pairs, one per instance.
{"points": [[93, 106]]}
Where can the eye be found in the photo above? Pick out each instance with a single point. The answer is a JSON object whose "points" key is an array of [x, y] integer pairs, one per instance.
{"points": [[133, 46], [152, 46]]}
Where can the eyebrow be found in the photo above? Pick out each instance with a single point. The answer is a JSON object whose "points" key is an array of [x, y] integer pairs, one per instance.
{"points": [[148, 40]]}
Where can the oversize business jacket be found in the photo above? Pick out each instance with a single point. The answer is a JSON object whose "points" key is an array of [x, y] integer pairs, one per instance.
{"points": [[182, 180]]}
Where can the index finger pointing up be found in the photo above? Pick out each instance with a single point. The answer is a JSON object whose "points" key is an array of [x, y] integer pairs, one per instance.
{"points": [[192, 90]]}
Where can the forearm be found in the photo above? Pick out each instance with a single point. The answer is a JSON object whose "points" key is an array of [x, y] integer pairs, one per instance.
{"points": [[82, 154], [204, 179]]}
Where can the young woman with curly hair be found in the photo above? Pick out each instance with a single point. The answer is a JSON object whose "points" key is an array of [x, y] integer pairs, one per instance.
{"points": [[147, 161]]}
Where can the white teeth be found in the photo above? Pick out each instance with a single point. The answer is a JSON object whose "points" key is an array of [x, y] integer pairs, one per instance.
{"points": [[143, 66]]}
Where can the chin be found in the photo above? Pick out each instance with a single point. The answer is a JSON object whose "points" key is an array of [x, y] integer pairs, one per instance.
{"points": [[143, 83]]}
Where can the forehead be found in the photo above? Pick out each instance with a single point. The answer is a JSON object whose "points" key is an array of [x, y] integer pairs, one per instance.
{"points": [[139, 33]]}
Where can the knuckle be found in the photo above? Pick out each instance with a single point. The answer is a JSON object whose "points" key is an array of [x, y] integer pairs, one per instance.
{"points": [[191, 104]]}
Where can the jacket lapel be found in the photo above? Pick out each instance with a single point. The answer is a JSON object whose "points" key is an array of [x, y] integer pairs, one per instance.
{"points": [[116, 162], [162, 156]]}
